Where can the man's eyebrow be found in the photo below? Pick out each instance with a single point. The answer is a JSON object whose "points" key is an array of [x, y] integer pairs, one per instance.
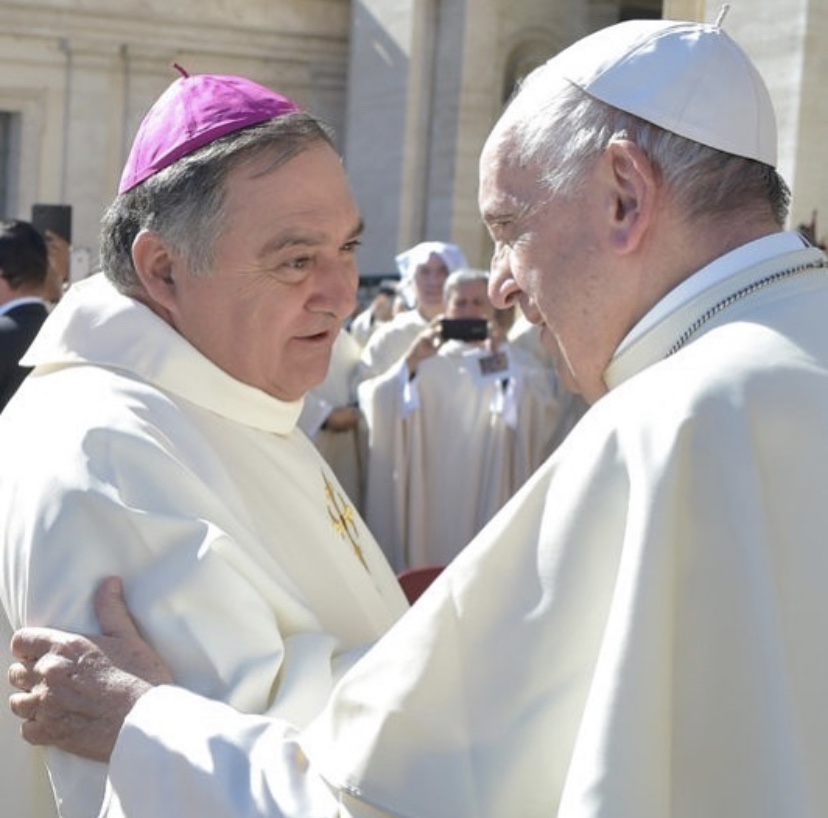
{"points": [[496, 216], [307, 238], [498, 208], [359, 229]]}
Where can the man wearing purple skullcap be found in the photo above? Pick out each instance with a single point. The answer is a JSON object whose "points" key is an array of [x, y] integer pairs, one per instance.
{"points": [[173, 382], [640, 632]]}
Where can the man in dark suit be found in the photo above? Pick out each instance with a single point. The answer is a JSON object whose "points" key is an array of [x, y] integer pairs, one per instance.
{"points": [[24, 266]]}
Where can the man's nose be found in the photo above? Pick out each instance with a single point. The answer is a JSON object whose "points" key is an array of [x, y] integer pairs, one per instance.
{"points": [[503, 289], [339, 288]]}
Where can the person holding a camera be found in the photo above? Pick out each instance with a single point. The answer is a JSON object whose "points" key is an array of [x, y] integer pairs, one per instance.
{"points": [[466, 423], [386, 359]]}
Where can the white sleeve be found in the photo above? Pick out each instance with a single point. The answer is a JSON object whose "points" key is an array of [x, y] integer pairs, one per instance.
{"points": [[180, 754]]}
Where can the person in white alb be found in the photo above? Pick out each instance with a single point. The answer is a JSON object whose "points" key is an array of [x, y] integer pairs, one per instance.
{"points": [[423, 271], [471, 420], [172, 383], [640, 632], [377, 314]]}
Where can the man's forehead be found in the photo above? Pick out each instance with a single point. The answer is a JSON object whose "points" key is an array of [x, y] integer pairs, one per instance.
{"points": [[272, 159], [507, 193], [466, 288], [503, 177]]}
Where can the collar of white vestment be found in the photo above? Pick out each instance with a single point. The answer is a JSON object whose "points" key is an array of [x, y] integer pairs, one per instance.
{"points": [[96, 324], [676, 328]]}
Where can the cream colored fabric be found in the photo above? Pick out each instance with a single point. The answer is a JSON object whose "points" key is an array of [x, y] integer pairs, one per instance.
{"points": [[389, 343], [128, 453], [380, 364], [639, 633], [465, 449], [364, 326], [345, 451]]}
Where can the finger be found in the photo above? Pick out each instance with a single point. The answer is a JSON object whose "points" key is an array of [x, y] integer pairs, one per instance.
{"points": [[48, 731], [23, 705], [111, 610], [29, 644], [22, 677]]}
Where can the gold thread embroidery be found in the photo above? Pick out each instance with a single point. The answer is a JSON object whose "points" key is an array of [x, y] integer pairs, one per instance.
{"points": [[343, 518]]}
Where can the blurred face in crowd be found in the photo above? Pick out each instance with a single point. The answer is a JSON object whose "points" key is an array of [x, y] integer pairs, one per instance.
{"points": [[469, 299], [284, 274], [428, 284]]}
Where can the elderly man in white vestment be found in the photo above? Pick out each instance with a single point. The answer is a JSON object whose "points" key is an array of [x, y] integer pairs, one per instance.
{"points": [[172, 384], [473, 418], [640, 632]]}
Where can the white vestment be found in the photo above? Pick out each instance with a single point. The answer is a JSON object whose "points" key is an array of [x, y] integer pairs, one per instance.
{"points": [[364, 325], [127, 452], [389, 343], [345, 451], [639, 633], [463, 441], [380, 363]]}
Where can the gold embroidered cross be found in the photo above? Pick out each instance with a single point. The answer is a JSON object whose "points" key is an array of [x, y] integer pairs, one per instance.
{"points": [[343, 518]]}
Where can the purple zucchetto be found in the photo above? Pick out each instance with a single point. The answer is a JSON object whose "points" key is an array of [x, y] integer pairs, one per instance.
{"points": [[194, 111]]}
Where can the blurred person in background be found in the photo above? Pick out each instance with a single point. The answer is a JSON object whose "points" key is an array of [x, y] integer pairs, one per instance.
{"points": [[27, 288]]}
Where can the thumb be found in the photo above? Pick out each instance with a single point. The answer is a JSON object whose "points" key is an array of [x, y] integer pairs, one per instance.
{"points": [[111, 610]]}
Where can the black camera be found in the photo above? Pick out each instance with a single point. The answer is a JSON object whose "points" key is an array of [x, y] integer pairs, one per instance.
{"points": [[464, 329]]}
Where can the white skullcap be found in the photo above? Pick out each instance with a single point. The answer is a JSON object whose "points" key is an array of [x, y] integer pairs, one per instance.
{"points": [[689, 78], [409, 260]]}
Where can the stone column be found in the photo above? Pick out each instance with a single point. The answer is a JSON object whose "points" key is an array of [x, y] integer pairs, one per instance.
{"points": [[685, 10], [389, 105], [786, 40]]}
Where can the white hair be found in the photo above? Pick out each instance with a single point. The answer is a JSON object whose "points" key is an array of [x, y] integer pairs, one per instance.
{"points": [[561, 128]]}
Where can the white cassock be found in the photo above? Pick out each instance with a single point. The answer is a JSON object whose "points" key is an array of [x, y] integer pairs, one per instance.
{"points": [[345, 451], [364, 325], [466, 436], [381, 360], [127, 452], [389, 343], [639, 633]]}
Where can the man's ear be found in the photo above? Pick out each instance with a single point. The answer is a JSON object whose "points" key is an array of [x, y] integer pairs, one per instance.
{"points": [[156, 267], [633, 188]]}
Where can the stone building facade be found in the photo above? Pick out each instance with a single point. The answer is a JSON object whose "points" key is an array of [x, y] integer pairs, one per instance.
{"points": [[411, 87]]}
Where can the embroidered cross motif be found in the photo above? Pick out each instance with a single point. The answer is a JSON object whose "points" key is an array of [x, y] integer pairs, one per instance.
{"points": [[343, 518]]}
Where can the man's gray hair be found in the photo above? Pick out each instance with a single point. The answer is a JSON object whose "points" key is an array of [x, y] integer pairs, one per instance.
{"points": [[561, 127], [462, 276], [184, 203]]}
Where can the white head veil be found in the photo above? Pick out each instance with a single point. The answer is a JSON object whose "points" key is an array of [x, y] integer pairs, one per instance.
{"points": [[409, 260]]}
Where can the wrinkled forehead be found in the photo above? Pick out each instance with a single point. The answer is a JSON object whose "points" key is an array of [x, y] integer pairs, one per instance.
{"points": [[505, 181], [492, 160], [470, 288]]}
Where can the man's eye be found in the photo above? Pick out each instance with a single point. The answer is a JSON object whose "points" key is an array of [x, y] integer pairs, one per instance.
{"points": [[352, 246], [298, 263]]}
